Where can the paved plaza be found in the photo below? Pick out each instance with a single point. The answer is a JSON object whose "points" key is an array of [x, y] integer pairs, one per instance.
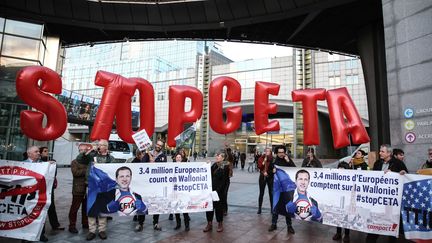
{"points": [[241, 225]]}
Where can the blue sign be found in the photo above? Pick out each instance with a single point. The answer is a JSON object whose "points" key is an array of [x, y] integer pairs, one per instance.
{"points": [[408, 113]]}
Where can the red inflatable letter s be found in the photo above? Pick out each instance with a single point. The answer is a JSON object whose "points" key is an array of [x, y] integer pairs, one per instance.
{"points": [[28, 90]]}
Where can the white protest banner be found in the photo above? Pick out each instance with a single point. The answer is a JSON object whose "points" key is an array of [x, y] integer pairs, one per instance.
{"points": [[142, 140], [153, 188], [417, 207], [367, 201], [25, 195]]}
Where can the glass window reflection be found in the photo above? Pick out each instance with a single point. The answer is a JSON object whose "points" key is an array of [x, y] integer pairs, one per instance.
{"points": [[20, 47], [25, 29]]}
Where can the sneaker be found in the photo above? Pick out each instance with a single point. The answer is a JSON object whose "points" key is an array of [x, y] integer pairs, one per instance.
{"points": [[259, 211], [290, 230], [346, 239], [73, 230], [157, 227], [103, 235], [337, 236], [139, 228], [170, 217], [272, 227], [90, 236]]}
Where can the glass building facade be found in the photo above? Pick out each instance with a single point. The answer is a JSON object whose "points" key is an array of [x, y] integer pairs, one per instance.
{"points": [[21, 44], [166, 63], [328, 71]]}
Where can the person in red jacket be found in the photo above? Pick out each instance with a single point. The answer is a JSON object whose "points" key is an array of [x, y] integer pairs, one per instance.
{"points": [[265, 166]]}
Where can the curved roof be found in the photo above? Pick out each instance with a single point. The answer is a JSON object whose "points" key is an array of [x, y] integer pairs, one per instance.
{"points": [[320, 24]]}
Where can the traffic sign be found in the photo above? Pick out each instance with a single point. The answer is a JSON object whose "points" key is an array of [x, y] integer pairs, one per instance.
{"points": [[409, 124], [410, 137], [408, 113]]}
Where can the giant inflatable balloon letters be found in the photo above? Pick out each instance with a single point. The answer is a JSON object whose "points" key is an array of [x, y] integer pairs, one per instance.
{"points": [[116, 103], [263, 108], [309, 98], [28, 89], [340, 104], [177, 116], [233, 114], [124, 115]]}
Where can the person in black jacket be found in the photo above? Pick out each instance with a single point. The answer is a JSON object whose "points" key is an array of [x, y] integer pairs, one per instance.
{"points": [[386, 163], [282, 159], [219, 175], [311, 160]]}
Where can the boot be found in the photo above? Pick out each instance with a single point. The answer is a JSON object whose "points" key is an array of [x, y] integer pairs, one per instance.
{"points": [[187, 225], [178, 225], [209, 227], [220, 227]]}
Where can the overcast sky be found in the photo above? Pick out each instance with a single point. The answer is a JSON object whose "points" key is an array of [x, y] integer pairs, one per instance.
{"points": [[242, 51]]}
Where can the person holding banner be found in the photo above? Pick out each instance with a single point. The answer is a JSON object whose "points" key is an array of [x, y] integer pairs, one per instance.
{"points": [[157, 155], [265, 166], [79, 187], [358, 160], [386, 163], [180, 158], [338, 235], [52, 212], [100, 154], [219, 175], [311, 160], [282, 159], [303, 206], [33, 156]]}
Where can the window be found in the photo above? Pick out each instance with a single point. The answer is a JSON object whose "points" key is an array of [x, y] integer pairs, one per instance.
{"points": [[334, 81], [351, 63], [352, 79], [160, 96], [334, 66]]}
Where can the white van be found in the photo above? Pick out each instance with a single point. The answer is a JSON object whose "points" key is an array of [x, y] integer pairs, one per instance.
{"points": [[119, 149]]}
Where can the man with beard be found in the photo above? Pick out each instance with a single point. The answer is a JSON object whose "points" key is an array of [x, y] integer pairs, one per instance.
{"points": [[157, 155], [282, 159]]}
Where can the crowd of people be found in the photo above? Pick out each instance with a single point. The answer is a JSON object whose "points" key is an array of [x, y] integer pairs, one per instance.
{"points": [[221, 172]]}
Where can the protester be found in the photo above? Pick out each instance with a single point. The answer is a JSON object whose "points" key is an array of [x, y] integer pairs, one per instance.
{"points": [[98, 155], [265, 166], [242, 160], [428, 163], [311, 160], [387, 163], [79, 188], [52, 212], [33, 156], [283, 160], [338, 235], [399, 154], [179, 158], [219, 174], [358, 161], [229, 161], [157, 155], [138, 156]]}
